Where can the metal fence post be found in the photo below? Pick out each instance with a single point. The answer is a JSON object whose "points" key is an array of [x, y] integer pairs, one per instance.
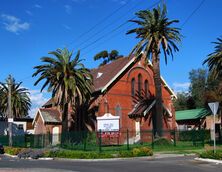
{"points": [[127, 137], [100, 140], [152, 144], [84, 140], [174, 137], [203, 137]]}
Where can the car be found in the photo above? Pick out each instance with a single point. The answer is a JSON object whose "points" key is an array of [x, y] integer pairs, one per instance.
{"points": [[1, 149]]}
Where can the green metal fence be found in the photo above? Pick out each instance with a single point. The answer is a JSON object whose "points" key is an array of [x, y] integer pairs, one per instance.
{"points": [[113, 141]]}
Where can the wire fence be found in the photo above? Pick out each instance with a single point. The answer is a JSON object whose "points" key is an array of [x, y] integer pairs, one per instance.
{"points": [[115, 141]]}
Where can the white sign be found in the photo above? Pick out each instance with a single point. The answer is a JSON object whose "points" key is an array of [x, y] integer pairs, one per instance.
{"points": [[108, 122], [10, 119], [214, 107]]}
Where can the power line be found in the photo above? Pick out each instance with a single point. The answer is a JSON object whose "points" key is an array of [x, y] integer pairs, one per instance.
{"points": [[108, 39], [194, 11], [100, 22], [115, 29], [108, 25]]}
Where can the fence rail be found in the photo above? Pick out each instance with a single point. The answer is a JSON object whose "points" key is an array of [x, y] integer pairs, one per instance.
{"points": [[107, 141]]}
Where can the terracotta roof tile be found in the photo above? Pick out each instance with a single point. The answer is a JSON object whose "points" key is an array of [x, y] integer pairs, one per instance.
{"points": [[50, 115], [103, 74]]}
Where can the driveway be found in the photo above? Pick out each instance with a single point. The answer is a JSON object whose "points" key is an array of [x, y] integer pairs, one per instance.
{"points": [[166, 164]]}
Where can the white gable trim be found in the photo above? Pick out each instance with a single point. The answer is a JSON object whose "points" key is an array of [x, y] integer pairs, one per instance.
{"points": [[118, 74], [36, 115], [125, 67], [168, 87], [165, 83]]}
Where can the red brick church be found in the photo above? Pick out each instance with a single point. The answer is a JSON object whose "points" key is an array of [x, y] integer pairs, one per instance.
{"points": [[115, 86]]}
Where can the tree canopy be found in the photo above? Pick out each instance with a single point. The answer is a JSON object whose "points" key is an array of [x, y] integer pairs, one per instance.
{"points": [[20, 100], [107, 57], [67, 78], [156, 34]]}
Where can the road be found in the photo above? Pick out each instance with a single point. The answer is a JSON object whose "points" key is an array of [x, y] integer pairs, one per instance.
{"points": [[166, 164]]}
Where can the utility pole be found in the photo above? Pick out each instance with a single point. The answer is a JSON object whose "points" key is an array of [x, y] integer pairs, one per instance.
{"points": [[10, 117]]}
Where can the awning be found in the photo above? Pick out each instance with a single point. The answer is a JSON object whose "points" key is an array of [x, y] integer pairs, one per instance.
{"points": [[143, 108]]}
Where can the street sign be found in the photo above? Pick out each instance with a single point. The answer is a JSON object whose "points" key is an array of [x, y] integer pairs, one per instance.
{"points": [[214, 107]]}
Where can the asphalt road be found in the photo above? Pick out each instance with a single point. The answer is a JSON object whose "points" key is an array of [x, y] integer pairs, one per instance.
{"points": [[172, 164]]}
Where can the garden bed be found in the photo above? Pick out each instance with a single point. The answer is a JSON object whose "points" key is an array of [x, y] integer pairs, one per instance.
{"points": [[211, 155], [75, 154]]}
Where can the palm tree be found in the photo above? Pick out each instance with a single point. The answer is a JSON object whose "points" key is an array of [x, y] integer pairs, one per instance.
{"points": [[20, 101], [107, 57], [214, 60], [156, 34], [67, 78]]}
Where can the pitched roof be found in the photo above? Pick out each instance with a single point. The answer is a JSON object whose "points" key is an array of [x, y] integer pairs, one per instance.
{"points": [[49, 102], [104, 74], [141, 109], [191, 114], [48, 115]]}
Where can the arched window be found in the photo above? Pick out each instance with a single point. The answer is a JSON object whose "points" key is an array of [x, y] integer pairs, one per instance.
{"points": [[146, 87], [139, 83], [106, 107], [118, 110], [133, 87]]}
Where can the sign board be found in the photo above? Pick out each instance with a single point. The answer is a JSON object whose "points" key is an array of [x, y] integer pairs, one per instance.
{"points": [[214, 107], [108, 122], [10, 119]]}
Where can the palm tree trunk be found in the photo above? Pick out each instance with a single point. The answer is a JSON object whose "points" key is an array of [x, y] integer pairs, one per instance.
{"points": [[158, 93], [64, 122]]}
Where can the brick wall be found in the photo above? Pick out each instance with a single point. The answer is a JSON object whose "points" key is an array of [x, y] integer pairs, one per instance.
{"points": [[120, 94]]}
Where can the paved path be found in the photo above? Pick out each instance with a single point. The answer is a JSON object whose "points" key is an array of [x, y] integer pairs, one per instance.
{"points": [[166, 164]]}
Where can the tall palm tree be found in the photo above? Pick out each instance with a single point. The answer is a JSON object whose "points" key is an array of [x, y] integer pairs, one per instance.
{"points": [[214, 60], [67, 78], [156, 34], [20, 101]]}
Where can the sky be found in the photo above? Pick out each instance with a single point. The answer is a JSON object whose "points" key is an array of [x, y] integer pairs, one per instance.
{"points": [[29, 29]]}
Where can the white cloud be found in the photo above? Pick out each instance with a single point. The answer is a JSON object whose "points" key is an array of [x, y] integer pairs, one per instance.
{"points": [[14, 24], [33, 111], [29, 12], [122, 2], [37, 6], [181, 87], [68, 9], [38, 99], [66, 27]]}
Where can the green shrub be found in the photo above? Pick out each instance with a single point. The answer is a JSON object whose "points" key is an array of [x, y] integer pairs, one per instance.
{"points": [[136, 152], [77, 154], [12, 150], [162, 142], [211, 155], [147, 151], [123, 154]]}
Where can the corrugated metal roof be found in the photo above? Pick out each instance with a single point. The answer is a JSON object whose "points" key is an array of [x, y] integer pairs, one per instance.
{"points": [[191, 114]]}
